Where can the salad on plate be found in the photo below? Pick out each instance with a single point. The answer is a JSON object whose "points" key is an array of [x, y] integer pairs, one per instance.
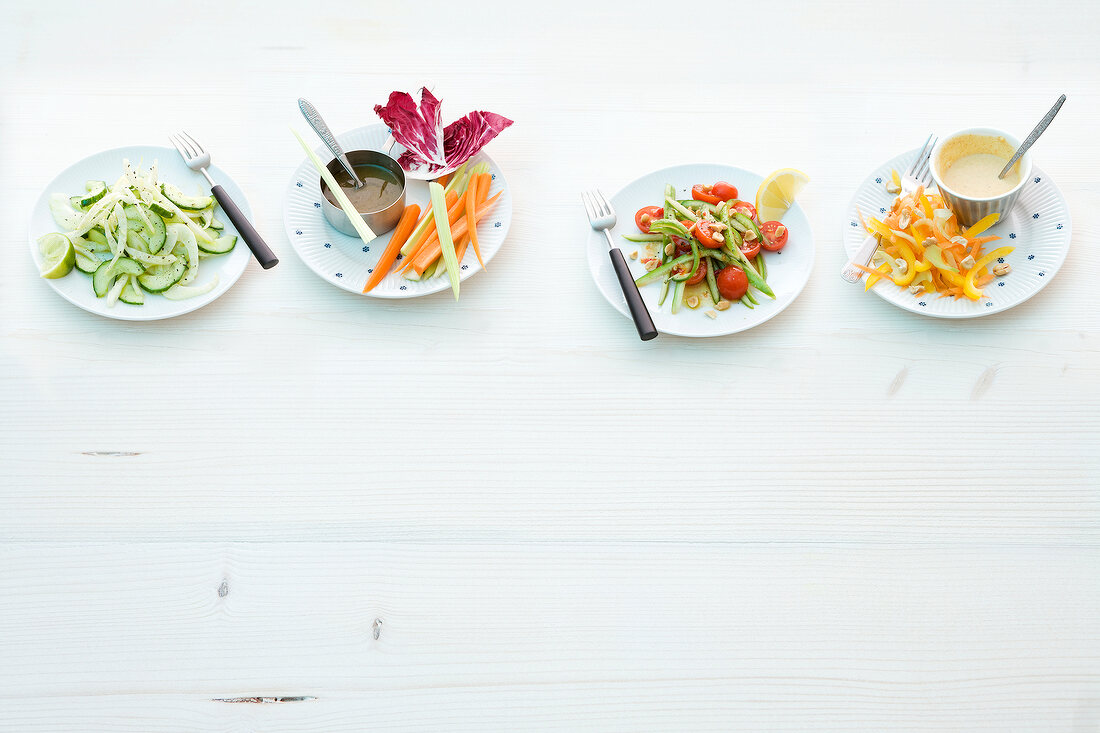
{"points": [[135, 236], [711, 250]]}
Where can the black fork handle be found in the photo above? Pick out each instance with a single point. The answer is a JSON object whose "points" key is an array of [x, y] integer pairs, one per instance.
{"points": [[251, 237], [642, 320]]}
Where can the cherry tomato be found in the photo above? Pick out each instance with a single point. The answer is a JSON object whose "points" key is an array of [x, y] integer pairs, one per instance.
{"points": [[775, 236], [701, 192], [744, 207], [682, 245], [700, 273], [646, 215], [723, 191], [750, 249], [732, 283], [704, 232]]}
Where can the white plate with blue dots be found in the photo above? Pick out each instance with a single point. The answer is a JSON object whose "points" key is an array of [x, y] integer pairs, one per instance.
{"points": [[347, 262], [1038, 227]]}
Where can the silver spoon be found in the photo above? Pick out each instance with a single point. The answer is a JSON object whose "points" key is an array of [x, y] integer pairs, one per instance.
{"points": [[313, 117], [1026, 145]]}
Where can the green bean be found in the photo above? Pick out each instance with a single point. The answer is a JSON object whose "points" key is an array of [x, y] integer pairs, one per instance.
{"points": [[712, 285], [678, 295], [662, 270], [762, 266], [643, 237], [745, 302], [674, 204], [750, 223], [741, 261], [748, 294]]}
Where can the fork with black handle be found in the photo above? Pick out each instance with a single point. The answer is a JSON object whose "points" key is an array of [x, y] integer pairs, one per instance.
{"points": [[198, 159], [601, 215]]}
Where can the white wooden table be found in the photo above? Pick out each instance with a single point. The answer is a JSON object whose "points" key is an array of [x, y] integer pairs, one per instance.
{"points": [[487, 515]]}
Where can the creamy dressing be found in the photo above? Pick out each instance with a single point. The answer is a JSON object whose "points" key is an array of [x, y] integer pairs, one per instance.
{"points": [[976, 176]]}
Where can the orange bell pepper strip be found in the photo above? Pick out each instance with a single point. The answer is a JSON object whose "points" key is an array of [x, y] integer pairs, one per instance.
{"points": [[400, 234]]}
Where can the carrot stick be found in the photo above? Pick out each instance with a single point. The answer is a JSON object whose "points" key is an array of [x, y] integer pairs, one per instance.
{"points": [[471, 220], [427, 229], [483, 187], [400, 234], [429, 252], [454, 212]]}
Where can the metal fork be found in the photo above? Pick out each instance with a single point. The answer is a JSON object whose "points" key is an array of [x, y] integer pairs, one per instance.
{"points": [[919, 173], [198, 159], [601, 215]]}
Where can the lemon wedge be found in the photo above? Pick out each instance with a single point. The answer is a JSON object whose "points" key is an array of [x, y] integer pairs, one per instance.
{"points": [[778, 192], [58, 255]]}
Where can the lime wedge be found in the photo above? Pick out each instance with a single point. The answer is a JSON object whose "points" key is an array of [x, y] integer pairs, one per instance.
{"points": [[58, 255]]}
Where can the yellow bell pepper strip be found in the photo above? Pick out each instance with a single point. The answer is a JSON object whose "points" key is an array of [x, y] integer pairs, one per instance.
{"points": [[910, 264], [968, 284], [872, 279], [981, 225]]}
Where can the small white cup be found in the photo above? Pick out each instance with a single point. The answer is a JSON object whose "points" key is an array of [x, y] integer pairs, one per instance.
{"points": [[969, 209]]}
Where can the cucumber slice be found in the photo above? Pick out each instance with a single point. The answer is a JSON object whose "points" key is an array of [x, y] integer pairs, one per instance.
{"points": [[96, 190], [106, 273], [216, 225], [74, 201], [99, 239], [87, 264], [182, 200], [219, 246], [132, 295], [160, 211], [135, 240], [159, 278]]}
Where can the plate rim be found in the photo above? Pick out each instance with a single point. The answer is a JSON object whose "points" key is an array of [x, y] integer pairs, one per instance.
{"points": [[444, 284], [188, 306], [881, 292], [743, 327]]}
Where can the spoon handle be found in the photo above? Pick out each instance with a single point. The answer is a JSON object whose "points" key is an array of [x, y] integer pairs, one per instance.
{"points": [[313, 117], [1034, 135]]}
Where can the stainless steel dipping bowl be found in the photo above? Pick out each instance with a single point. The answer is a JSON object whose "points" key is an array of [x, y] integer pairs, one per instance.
{"points": [[380, 221]]}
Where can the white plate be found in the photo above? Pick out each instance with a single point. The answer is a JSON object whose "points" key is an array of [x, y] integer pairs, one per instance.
{"points": [[345, 261], [1038, 227], [788, 270], [76, 287]]}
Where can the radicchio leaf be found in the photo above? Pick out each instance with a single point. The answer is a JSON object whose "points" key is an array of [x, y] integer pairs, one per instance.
{"points": [[428, 144], [419, 130]]}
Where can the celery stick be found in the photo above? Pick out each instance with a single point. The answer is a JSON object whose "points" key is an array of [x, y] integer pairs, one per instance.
{"points": [[356, 220], [443, 229], [457, 178]]}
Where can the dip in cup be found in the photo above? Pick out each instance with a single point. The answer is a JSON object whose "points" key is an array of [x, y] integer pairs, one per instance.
{"points": [[380, 201], [965, 166]]}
